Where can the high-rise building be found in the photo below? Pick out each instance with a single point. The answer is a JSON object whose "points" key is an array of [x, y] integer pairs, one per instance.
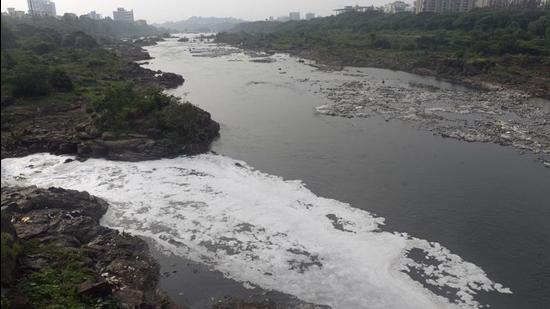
{"points": [[310, 16], [122, 15], [93, 15], [357, 8], [442, 6], [511, 3], [294, 15], [396, 7], [41, 7]]}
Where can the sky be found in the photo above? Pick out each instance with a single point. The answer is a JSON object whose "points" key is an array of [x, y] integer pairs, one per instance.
{"points": [[155, 11]]}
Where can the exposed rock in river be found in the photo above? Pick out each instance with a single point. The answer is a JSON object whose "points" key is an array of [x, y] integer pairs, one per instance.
{"points": [[499, 116]]}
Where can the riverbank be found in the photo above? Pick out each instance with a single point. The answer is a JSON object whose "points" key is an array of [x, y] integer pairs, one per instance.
{"points": [[60, 253], [451, 110], [485, 48], [65, 123], [92, 101], [532, 81]]}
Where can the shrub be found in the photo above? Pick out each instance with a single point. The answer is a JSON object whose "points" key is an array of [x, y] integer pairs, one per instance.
{"points": [[79, 39], [382, 43], [124, 107], [123, 104], [42, 47], [30, 81], [60, 81], [8, 39]]}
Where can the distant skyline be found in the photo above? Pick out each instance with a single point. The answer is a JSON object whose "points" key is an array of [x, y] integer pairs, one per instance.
{"points": [[155, 11]]}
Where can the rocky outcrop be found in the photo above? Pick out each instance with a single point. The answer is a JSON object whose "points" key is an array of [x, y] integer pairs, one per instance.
{"points": [[145, 76], [170, 80], [10, 252], [72, 132], [70, 219]]}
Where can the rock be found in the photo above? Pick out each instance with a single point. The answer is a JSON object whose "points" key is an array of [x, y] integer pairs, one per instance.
{"points": [[34, 262], [68, 148], [11, 250], [70, 219], [130, 297], [108, 136], [170, 80], [99, 289]]}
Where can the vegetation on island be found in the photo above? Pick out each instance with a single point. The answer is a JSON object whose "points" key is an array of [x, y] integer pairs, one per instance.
{"points": [[46, 67], [505, 46]]}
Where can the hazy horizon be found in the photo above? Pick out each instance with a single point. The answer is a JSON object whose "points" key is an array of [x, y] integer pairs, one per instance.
{"points": [[175, 10]]}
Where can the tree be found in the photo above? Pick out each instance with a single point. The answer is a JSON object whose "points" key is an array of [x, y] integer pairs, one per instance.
{"points": [[8, 39], [60, 81], [30, 81]]}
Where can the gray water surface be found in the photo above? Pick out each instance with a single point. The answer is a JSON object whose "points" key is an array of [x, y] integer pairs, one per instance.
{"points": [[485, 202]]}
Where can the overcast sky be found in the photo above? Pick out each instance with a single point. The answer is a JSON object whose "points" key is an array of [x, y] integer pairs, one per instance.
{"points": [[172, 10]]}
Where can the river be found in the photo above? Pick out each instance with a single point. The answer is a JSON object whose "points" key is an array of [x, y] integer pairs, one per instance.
{"points": [[329, 227]]}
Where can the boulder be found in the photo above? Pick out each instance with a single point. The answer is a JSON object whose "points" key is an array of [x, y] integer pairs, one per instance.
{"points": [[99, 289]]}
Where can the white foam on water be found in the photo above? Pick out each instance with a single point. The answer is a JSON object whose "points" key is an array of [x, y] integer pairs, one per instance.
{"points": [[261, 229]]}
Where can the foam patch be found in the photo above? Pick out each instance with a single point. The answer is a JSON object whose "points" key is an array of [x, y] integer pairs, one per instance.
{"points": [[262, 230]]}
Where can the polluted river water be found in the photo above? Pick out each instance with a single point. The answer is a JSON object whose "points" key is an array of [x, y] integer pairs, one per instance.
{"points": [[296, 205]]}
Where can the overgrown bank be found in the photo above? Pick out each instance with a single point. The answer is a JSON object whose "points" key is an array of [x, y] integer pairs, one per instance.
{"points": [[483, 48], [68, 93], [55, 253]]}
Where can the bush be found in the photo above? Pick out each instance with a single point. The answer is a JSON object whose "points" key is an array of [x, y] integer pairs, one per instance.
{"points": [[382, 43], [79, 39], [123, 104], [60, 81], [43, 47], [126, 108], [30, 81], [8, 39]]}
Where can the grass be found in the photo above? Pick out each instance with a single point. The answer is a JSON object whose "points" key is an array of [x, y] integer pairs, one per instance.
{"points": [[56, 285]]}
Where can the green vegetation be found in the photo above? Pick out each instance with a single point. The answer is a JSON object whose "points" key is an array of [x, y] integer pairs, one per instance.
{"points": [[101, 30], [126, 108], [43, 66], [10, 248], [453, 44], [44, 69], [55, 286]]}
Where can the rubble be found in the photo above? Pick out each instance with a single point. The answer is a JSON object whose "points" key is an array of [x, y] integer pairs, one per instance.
{"points": [[499, 116]]}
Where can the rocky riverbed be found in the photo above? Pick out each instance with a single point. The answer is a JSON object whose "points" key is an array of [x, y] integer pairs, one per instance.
{"points": [[104, 267], [497, 116], [60, 221]]}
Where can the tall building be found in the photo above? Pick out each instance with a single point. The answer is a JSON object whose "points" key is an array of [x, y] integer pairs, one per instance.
{"points": [[294, 15], [14, 13], [93, 15], [357, 8], [396, 7], [41, 7], [511, 3], [442, 6], [122, 15], [310, 16]]}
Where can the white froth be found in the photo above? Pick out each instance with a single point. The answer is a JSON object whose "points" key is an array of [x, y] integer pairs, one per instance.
{"points": [[259, 228]]}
